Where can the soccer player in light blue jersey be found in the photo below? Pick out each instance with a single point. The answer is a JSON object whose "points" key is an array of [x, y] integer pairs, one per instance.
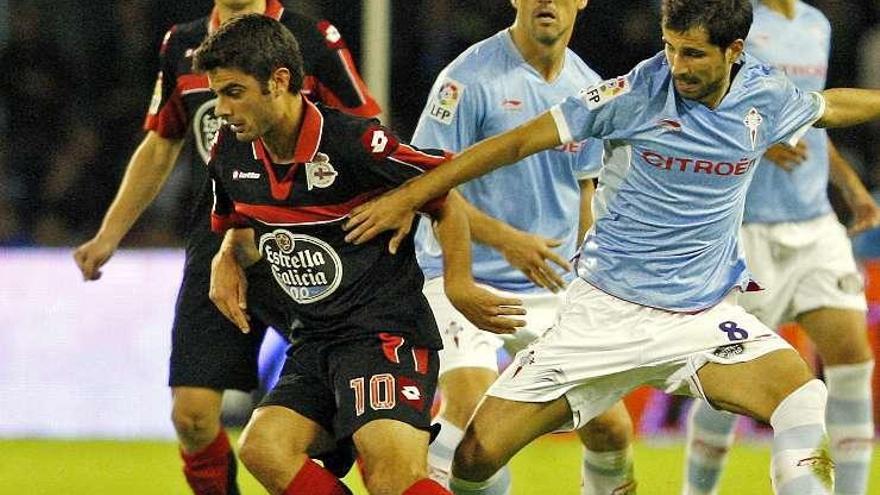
{"points": [[795, 245], [543, 208], [655, 300]]}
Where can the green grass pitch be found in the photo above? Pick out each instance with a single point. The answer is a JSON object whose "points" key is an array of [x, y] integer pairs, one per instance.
{"points": [[549, 466]]}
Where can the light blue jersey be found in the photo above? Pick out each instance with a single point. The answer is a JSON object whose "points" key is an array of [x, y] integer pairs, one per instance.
{"points": [[671, 192], [799, 47], [485, 91]]}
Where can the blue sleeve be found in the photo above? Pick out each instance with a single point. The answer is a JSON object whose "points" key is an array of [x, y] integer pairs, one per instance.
{"points": [[602, 111], [589, 159], [451, 116], [797, 113]]}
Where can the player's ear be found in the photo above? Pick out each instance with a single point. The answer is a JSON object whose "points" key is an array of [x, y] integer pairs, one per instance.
{"points": [[280, 81], [733, 51]]}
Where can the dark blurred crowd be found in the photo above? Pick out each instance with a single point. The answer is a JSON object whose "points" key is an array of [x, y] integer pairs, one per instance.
{"points": [[77, 77]]}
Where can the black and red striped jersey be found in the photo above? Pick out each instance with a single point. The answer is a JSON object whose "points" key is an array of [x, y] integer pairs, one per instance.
{"points": [[182, 105], [298, 210]]}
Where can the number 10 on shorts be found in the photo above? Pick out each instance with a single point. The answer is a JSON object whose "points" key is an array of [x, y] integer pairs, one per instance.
{"points": [[381, 392]]}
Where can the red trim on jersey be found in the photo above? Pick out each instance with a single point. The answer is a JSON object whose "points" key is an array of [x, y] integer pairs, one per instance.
{"points": [[390, 345], [189, 82], [222, 223], [274, 9], [408, 155], [293, 215], [420, 357]]}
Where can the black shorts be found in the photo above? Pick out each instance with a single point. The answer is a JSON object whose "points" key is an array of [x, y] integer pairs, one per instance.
{"points": [[207, 350], [343, 385]]}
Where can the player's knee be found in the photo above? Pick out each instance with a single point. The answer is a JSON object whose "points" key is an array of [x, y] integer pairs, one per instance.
{"points": [[805, 404], [476, 459], [193, 422], [611, 430], [393, 477]]}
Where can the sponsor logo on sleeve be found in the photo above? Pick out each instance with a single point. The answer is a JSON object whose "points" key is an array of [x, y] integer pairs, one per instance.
{"points": [[320, 173], [445, 101], [602, 93], [305, 267]]}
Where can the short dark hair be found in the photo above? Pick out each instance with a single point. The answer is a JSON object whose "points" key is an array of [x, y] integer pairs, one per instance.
{"points": [[725, 20], [254, 44]]}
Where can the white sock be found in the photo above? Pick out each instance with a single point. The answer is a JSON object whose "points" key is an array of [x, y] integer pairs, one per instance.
{"points": [[497, 484], [801, 464], [442, 450], [710, 434], [606, 473], [850, 425]]}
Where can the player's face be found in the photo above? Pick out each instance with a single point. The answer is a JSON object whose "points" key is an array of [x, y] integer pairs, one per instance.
{"points": [[547, 21], [242, 102], [700, 70]]}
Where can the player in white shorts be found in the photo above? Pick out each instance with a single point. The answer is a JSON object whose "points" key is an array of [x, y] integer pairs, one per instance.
{"points": [[683, 133], [800, 253], [494, 86]]}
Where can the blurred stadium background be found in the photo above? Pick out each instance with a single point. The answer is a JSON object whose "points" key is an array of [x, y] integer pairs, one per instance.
{"points": [[83, 403]]}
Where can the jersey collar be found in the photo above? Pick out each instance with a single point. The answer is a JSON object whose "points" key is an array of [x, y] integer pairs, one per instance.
{"points": [[274, 9], [308, 140]]}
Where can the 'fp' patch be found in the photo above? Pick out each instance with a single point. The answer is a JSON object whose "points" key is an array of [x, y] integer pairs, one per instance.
{"points": [[445, 101], [602, 93]]}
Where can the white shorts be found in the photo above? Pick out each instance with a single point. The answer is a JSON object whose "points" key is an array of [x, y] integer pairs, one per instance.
{"points": [[803, 266], [602, 347], [466, 346]]}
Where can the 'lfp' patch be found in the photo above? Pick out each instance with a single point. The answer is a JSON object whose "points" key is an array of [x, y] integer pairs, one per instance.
{"points": [[602, 93], [445, 101]]}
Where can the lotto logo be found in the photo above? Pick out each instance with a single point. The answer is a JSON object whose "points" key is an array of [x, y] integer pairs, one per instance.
{"points": [[411, 392]]}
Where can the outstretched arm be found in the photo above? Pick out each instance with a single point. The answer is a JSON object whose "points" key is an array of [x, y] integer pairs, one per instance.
{"points": [[392, 211], [147, 171], [483, 308], [846, 107], [865, 212]]}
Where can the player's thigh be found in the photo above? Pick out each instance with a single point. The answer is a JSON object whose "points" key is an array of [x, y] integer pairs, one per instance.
{"points": [[279, 431], [754, 388], [500, 428], [840, 335], [462, 389]]}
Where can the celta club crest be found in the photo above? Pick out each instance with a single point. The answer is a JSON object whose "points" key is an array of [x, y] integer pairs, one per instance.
{"points": [[319, 172], [752, 121]]}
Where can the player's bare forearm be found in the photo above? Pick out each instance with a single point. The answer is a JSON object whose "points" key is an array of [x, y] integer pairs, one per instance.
{"points": [[147, 172], [864, 211], [846, 107], [394, 210], [241, 245], [481, 307], [535, 135], [228, 287]]}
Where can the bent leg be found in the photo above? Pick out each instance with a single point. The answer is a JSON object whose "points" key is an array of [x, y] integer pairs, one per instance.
{"points": [[779, 388], [274, 447], [497, 431], [841, 337]]}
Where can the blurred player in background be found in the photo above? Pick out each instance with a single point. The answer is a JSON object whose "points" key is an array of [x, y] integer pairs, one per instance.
{"points": [[796, 247], [494, 86], [363, 361], [659, 271], [209, 355]]}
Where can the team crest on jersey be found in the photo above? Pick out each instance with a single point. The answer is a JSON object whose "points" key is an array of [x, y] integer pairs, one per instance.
{"points": [[307, 268], [669, 125], [602, 93], [205, 128], [319, 172], [752, 121], [445, 101], [156, 100]]}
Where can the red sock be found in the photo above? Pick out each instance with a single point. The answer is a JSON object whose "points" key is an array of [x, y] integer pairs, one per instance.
{"points": [[315, 480], [211, 471], [426, 486]]}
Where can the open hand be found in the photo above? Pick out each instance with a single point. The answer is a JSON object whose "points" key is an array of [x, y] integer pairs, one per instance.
{"points": [[388, 212], [866, 216], [787, 157], [484, 309], [530, 253], [229, 289]]}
